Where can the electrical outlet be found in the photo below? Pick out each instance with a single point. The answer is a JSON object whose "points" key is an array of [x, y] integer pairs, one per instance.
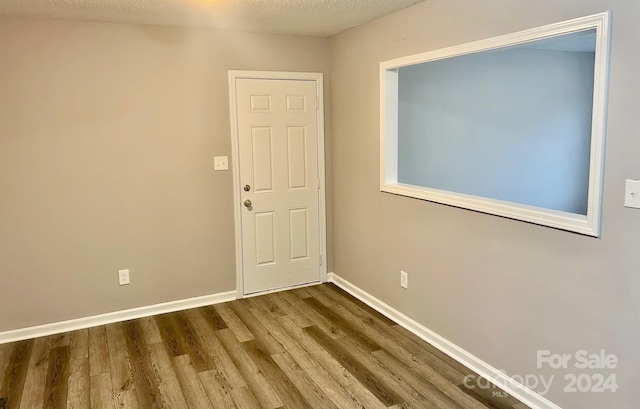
{"points": [[404, 279], [123, 277]]}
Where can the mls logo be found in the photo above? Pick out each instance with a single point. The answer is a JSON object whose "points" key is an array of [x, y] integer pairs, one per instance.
{"points": [[499, 394]]}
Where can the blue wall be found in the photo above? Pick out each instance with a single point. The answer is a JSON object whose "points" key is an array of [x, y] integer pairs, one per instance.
{"points": [[512, 124]]}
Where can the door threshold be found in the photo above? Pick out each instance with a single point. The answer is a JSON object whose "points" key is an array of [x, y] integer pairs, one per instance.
{"points": [[277, 290]]}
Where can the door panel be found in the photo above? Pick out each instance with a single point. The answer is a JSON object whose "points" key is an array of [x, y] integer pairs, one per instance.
{"points": [[260, 103], [278, 159], [265, 238], [297, 157], [298, 234], [262, 159]]}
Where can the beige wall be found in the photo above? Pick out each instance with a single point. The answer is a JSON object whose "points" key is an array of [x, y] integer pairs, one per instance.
{"points": [[499, 288], [107, 138]]}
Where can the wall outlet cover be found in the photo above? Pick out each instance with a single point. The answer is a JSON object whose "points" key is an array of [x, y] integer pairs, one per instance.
{"points": [[123, 277], [404, 279]]}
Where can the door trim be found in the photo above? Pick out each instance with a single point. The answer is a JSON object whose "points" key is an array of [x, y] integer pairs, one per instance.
{"points": [[235, 165]]}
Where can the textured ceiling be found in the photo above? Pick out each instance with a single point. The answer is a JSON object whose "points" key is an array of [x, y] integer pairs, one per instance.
{"points": [[301, 17]]}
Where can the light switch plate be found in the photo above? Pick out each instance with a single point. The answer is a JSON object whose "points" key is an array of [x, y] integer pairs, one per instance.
{"points": [[221, 163], [632, 193]]}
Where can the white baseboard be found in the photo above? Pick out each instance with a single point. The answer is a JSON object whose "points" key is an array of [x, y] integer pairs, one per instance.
{"points": [[515, 389], [111, 317]]}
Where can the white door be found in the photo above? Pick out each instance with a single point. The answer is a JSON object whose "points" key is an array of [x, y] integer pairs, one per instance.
{"points": [[277, 131]]}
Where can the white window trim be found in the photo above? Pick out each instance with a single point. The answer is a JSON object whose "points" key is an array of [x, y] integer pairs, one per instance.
{"points": [[589, 224]]}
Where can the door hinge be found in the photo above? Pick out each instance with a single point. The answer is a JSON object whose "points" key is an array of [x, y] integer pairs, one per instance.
{"points": [[321, 260], [318, 183]]}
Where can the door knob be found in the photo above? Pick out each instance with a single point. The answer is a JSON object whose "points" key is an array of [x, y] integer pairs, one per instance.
{"points": [[247, 188], [247, 203]]}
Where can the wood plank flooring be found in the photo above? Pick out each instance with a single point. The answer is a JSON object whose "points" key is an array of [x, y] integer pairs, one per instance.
{"points": [[314, 347]]}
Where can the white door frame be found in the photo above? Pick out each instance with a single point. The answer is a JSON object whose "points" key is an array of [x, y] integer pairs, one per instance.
{"points": [[235, 168]]}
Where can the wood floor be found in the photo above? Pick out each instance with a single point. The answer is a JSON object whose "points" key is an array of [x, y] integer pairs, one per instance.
{"points": [[315, 347]]}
